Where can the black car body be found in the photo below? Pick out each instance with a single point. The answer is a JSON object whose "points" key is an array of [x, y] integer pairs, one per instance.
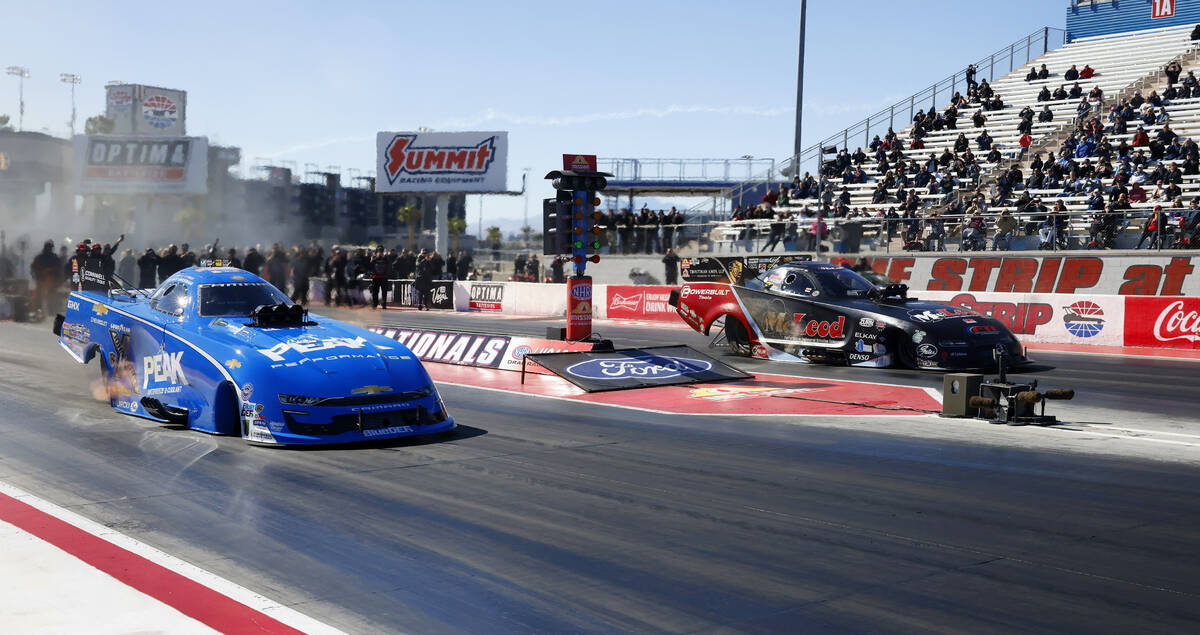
{"points": [[786, 309]]}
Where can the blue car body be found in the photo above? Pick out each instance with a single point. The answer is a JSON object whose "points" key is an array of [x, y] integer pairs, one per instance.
{"points": [[170, 356]]}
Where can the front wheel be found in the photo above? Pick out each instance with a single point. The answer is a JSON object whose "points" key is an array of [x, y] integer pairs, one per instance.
{"points": [[736, 335], [905, 351]]}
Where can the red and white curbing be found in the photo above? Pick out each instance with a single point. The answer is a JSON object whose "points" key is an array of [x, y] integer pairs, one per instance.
{"points": [[207, 600]]}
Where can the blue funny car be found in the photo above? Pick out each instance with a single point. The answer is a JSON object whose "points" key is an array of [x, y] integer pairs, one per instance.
{"points": [[220, 350]]}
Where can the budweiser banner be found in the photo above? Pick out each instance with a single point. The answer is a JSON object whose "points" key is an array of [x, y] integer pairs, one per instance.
{"points": [[640, 302], [107, 164], [441, 161], [1142, 274], [1163, 322]]}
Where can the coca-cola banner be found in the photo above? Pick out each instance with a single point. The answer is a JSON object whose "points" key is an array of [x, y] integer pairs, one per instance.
{"points": [[640, 302], [1138, 274], [1163, 322]]}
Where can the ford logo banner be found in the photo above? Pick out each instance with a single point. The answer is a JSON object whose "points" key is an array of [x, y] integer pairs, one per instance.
{"points": [[645, 367]]}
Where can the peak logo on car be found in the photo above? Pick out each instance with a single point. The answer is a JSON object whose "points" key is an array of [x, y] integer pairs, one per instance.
{"points": [[648, 367], [310, 344], [164, 367]]}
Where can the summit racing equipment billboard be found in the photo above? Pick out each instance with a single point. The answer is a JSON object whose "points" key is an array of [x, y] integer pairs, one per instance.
{"points": [[441, 162], [108, 164]]}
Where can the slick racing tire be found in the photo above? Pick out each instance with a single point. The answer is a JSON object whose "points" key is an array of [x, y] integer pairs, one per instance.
{"points": [[906, 351], [737, 337]]}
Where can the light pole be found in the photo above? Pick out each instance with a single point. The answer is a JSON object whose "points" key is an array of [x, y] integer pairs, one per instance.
{"points": [[749, 170], [21, 73], [73, 80]]}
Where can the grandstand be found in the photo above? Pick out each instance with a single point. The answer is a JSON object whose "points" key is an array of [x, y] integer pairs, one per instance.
{"points": [[1124, 63]]}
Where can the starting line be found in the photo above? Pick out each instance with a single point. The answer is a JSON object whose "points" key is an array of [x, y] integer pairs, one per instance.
{"points": [[762, 395]]}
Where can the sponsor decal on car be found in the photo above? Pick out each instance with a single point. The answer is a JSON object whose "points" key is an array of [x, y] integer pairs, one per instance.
{"points": [[247, 390], [820, 328], [165, 367], [233, 363], [927, 351], [866, 323], [383, 432], [99, 309], [702, 293], [72, 305], [371, 390], [936, 315], [311, 344], [649, 366]]}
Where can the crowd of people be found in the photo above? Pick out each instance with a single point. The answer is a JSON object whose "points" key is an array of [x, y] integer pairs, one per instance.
{"points": [[289, 269], [646, 232]]}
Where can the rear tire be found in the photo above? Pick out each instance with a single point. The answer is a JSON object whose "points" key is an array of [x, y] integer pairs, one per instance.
{"points": [[737, 336]]}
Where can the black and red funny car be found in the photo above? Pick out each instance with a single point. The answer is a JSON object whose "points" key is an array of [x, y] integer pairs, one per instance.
{"points": [[788, 309]]}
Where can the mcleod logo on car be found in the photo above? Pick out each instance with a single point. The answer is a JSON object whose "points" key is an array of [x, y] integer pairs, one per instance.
{"points": [[642, 367], [821, 328]]}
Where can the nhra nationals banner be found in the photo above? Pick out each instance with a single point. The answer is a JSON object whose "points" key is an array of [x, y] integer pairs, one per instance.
{"points": [[473, 349], [107, 164], [640, 302], [441, 161]]}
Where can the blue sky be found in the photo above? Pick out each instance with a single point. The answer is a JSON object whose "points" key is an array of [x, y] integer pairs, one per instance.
{"points": [[312, 82]]}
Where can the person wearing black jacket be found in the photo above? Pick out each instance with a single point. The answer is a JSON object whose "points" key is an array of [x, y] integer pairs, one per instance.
{"points": [[424, 280], [232, 259], [380, 269], [465, 262], [168, 263], [147, 267], [254, 261], [671, 262]]}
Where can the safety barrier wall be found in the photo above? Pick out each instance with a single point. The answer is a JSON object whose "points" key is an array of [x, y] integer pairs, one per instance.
{"points": [[1132, 274], [1171, 322]]}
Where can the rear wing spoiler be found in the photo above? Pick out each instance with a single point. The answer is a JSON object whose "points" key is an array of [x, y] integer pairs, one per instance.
{"points": [[731, 269]]}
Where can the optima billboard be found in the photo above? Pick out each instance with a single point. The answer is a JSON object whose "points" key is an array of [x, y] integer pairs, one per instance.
{"points": [[410, 162], [107, 164]]}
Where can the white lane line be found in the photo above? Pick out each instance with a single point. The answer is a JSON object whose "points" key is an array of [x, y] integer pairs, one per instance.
{"points": [[241, 594]]}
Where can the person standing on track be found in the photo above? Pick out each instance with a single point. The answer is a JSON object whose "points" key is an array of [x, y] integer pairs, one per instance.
{"points": [[381, 269], [46, 268], [424, 281]]}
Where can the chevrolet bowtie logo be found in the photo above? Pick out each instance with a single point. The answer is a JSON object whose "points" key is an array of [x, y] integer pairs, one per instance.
{"points": [[371, 390], [100, 309], [233, 363]]}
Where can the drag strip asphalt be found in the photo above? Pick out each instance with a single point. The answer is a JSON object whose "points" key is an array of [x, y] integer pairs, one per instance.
{"points": [[532, 517]]}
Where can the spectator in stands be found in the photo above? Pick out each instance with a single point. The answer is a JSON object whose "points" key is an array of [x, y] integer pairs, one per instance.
{"points": [[1157, 221], [994, 156], [1190, 81], [1096, 95], [979, 119], [1043, 72], [1072, 74], [1076, 91], [971, 70], [1045, 95], [1083, 109], [1155, 99], [1045, 115], [1052, 227], [1140, 138], [1087, 72], [1025, 126], [1196, 33], [1137, 100], [1032, 75], [936, 239], [985, 90], [984, 141], [1005, 226], [1137, 194], [961, 144], [1172, 71], [1166, 135], [1025, 141]]}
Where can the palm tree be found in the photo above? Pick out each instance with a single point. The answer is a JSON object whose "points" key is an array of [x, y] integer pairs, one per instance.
{"points": [[409, 215], [456, 226]]}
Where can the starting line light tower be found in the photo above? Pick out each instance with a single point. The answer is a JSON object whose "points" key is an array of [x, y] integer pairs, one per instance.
{"points": [[572, 226]]}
